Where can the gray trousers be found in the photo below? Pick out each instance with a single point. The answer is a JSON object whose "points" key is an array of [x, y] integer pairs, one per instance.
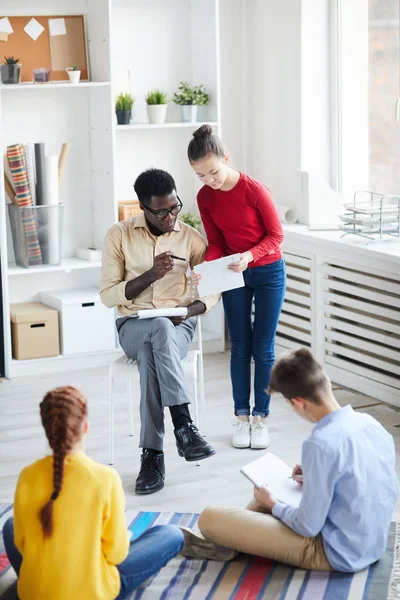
{"points": [[158, 348]]}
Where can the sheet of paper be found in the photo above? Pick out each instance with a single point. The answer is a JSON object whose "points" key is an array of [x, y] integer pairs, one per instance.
{"points": [[271, 471], [3, 36], [216, 277], [34, 29], [152, 313], [5, 25], [57, 27]]}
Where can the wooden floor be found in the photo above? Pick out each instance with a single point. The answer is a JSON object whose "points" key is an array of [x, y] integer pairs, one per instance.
{"points": [[188, 487]]}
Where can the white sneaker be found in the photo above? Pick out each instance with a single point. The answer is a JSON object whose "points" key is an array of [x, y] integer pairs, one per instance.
{"points": [[241, 437], [259, 434]]}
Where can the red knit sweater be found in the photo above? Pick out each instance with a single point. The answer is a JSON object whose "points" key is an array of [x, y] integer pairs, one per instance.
{"points": [[242, 219]]}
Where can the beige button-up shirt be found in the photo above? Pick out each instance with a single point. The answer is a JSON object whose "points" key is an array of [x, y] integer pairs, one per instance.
{"points": [[129, 251]]}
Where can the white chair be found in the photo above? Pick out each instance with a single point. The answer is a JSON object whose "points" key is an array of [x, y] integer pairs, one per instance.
{"points": [[123, 369]]}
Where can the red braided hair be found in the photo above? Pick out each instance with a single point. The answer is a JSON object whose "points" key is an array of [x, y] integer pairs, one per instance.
{"points": [[63, 412]]}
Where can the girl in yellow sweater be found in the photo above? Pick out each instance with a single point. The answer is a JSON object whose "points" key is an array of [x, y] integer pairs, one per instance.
{"points": [[68, 539]]}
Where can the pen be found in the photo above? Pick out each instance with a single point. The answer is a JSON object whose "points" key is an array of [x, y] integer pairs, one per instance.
{"points": [[177, 257]]}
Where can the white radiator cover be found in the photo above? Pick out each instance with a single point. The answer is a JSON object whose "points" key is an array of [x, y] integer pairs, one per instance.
{"points": [[296, 321], [348, 314], [362, 323]]}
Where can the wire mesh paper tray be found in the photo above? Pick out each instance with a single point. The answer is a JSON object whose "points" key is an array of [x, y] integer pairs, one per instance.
{"points": [[372, 215]]}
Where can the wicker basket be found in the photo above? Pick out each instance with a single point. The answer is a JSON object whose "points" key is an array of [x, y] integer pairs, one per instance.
{"points": [[128, 209]]}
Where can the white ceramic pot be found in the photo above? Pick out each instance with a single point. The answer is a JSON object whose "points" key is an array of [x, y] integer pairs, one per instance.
{"points": [[74, 76], [189, 113], [157, 113]]}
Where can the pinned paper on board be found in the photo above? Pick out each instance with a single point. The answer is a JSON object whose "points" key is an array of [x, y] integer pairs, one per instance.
{"points": [[57, 27], [34, 29], [3, 36], [5, 25]]}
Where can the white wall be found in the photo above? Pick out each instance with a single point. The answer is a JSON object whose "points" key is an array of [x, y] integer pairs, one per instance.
{"points": [[273, 48], [233, 80]]}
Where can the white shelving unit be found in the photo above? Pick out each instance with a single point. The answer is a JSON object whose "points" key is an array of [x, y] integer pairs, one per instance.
{"points": [[67, 265], [170, 125], [103, 164], [30, 87]]}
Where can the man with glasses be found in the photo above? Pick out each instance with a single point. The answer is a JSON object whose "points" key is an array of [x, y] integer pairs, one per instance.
{"points": [[145, 260]]}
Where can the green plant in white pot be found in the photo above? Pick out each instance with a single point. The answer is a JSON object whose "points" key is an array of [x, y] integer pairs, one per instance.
{"points": [[189, 97], [74, 74], [156, 101], [123, 108]]}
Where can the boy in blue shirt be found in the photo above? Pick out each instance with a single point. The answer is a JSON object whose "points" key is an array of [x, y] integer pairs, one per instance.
{"points": [[349, 481]]}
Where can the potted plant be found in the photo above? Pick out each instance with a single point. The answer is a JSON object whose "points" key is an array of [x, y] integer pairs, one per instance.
{"points": [[11, 70], [192, 220], [156, 106], [123, 108], [74, 74], [189, 97]]}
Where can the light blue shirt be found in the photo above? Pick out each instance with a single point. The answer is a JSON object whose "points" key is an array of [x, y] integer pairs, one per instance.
{"points": [[350, 489]]}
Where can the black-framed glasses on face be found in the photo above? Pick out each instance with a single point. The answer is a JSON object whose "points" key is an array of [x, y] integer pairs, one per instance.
{"points": [[163, 213]]}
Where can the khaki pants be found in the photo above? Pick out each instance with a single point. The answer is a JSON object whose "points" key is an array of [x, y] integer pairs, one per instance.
{"points": [[253, 530]]}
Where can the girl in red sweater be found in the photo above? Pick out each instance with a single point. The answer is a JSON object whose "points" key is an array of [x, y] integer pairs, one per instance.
{"points": [[239, 216]]}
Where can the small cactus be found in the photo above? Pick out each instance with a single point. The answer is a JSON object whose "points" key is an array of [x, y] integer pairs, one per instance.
{"points": [[10, 60]]}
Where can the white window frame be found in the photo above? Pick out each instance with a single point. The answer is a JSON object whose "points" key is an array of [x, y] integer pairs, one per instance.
{"points": [[349, 72]]}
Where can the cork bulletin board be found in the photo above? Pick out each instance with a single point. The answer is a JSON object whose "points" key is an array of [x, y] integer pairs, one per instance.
{"points": [[65, 48]]}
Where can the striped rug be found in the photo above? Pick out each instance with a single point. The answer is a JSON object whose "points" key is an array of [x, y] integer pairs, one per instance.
{"points": [[249, 578]]}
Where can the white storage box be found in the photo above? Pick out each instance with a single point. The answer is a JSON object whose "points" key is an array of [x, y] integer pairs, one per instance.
{"points": [[86, 325]]}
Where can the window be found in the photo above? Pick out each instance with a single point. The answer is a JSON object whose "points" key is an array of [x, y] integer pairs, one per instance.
{"points": [[384, 89]]}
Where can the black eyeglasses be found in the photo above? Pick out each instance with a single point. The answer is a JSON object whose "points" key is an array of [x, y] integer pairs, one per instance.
{"points": [[163, 214]]}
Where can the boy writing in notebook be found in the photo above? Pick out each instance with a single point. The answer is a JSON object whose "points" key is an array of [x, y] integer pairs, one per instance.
{"points": [[349, 487]]}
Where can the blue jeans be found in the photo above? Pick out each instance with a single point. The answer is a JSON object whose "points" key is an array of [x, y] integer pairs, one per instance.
{"points": [[267, 285], [147, 555]]}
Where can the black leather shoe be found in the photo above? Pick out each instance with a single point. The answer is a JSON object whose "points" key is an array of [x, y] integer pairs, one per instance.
{"points": [[152, 473], [191, 445]]}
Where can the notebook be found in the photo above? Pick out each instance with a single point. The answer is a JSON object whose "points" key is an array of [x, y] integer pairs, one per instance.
{"points": [[152, 313], [272, 472]]}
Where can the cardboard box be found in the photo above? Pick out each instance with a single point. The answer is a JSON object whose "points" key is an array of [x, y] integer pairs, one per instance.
{"points": [[34, 330]]}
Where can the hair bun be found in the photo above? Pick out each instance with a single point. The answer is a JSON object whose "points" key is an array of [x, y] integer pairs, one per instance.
{"points": [[203, 131]]}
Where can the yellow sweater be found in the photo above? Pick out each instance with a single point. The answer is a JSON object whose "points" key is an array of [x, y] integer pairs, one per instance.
{"points": [[89, 534]]}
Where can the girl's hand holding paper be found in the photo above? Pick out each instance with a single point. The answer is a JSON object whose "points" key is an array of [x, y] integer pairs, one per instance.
{"points": [[242, 264]]}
